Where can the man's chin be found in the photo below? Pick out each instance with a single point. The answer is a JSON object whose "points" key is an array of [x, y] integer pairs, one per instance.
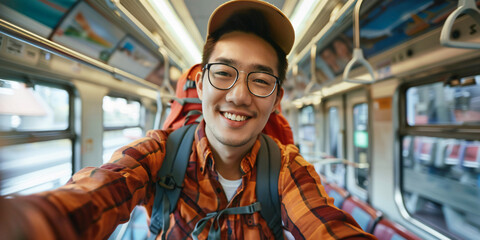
{"points": [[233, 141]]}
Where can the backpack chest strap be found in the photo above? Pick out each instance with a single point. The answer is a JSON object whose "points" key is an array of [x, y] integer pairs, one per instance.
{"points": [[215, 233]]}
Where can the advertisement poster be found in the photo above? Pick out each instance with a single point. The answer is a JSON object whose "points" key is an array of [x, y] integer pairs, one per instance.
{"points": [[133, 58], [385, 26], [87, 32], [332, 59], [157, 75], [39, 17], [396, 21]]}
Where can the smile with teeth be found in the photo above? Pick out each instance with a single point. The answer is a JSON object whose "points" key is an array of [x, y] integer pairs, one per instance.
{"points": [[234, 117]]}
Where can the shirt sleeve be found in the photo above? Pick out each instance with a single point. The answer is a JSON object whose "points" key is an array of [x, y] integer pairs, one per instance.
{"points": [[95, 200], [307, 211]]}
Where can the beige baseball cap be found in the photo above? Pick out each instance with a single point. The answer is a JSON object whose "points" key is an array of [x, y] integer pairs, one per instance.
{"points": [[282, 31]]}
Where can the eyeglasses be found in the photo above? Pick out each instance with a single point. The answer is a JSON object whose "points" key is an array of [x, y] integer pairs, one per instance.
{"points": [[223, 76]]}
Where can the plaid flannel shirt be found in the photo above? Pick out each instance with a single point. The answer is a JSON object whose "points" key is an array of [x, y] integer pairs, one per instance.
{"points": [[96, 200]]}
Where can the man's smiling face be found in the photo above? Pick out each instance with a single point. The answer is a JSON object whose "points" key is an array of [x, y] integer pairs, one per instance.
{"points": [[235, 117]]}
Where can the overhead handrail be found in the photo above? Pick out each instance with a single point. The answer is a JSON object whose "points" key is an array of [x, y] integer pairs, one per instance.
{"points": [[468, 7], [118, 8], [357, 57]]}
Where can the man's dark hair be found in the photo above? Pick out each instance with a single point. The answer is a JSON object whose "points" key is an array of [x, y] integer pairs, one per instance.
{"points": [[248, 21]]}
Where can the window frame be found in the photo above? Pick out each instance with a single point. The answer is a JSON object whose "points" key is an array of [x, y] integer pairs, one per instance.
{"points": [[301, 124], [19, 137], [355, 154], [141, 121], [443, 131], [14, 137]]}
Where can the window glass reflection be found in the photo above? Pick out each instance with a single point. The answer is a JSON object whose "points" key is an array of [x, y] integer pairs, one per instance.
{"points": [[38, 108], [441, 183], [455, 103]]}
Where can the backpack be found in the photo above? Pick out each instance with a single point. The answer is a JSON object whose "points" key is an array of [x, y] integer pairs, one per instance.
{"points": [[172, 173], [186, 110], [186, 107]]}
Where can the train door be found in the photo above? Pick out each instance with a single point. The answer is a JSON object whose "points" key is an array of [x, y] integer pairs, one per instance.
{"points": [[356, 113], [335, 135]]}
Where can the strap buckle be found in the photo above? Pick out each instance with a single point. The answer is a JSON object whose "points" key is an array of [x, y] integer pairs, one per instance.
{"points": [[167, 182], [189, 84], [255, 207]]}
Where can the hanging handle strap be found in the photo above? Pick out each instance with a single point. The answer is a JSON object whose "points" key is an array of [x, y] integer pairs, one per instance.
{"points": [[214, 232], [468, 7], [358, 59], [357, 51]]}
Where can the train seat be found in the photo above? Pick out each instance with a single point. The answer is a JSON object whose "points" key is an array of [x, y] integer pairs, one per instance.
{"points": [[365, 215], [453, 152], [426, 150], [337, 193], [388, 230], [471, 158]]}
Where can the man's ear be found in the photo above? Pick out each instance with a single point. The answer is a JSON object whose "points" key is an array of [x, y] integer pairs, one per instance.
{"points": [[278, 99], [199, 84]]}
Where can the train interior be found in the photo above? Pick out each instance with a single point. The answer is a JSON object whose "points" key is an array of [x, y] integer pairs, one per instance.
{"points": [[383, 98]]}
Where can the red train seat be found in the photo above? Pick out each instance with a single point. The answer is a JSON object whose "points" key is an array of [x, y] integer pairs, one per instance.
{"points": [[365, 215], [337, 193], [388, 230]]}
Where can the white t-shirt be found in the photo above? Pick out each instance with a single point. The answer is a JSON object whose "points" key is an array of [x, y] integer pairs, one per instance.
{"points": [[229, 186]]}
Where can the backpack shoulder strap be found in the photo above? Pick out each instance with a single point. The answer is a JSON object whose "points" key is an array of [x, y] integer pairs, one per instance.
{"points": [[268, 171], [171, 175]]}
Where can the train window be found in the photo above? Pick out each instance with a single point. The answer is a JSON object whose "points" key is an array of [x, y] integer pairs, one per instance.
{"points": [[440, 104], [334, 129], [41, 108], [441, 174], [121, 122], [307, 131], [36, 137], [335, 172], [360, 143]]}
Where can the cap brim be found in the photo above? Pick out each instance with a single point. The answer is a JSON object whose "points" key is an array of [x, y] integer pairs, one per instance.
{"points": [[282, 31]]}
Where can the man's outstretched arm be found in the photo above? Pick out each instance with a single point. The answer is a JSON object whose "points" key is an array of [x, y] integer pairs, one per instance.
{"points": [[94, 201]]}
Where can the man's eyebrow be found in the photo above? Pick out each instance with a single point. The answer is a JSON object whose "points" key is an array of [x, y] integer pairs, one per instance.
{"points": [[263, 68], [255, 67], [225, 60]]}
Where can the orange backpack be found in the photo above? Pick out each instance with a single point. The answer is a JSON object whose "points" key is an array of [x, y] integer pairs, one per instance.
{"points": [[186, 109]]}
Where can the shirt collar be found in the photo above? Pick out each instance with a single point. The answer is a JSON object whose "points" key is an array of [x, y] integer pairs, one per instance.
{"points": [[205, 155]]}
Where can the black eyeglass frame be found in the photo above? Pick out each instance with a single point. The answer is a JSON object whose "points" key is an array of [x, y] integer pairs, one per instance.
{"points": [[208, 65]]}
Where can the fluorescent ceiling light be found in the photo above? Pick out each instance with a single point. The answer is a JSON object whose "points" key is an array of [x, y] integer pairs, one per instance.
{"points": [[176, 28], [303, 9]]}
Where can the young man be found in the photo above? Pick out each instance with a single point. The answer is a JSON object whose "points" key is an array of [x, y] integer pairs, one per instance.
{"points": [[244, 65]]}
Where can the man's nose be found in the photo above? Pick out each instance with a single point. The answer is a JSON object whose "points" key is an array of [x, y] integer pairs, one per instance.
{"points": [[239, 93]]}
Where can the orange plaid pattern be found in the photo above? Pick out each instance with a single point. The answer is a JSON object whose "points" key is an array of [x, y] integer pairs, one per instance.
{"points": [[96, 200]]}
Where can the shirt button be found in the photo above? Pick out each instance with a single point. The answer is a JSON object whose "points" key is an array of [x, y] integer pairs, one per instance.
{"points": [[219, 190], [201, 169]]}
